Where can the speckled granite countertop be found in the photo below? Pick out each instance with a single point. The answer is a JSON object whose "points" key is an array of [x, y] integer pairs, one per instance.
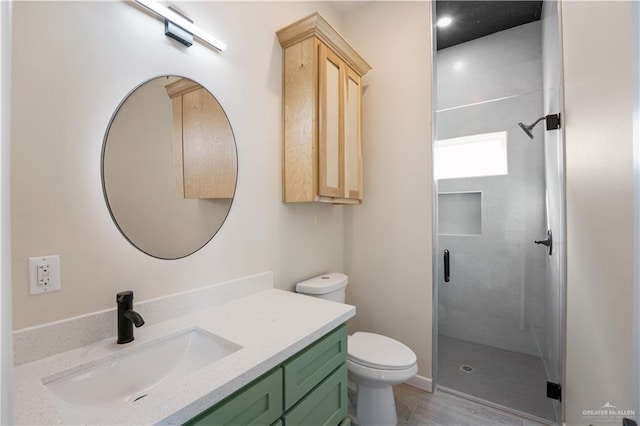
{"points": [[270, 326]]}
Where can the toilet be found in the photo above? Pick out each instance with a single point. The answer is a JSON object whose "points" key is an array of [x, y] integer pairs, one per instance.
{"points": [[374, 362]]}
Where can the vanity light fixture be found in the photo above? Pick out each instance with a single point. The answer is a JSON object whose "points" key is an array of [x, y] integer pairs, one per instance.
{"points": [[180, 28]]}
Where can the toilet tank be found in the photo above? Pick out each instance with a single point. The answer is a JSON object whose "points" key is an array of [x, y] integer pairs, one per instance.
{"points": [[329, 286]]}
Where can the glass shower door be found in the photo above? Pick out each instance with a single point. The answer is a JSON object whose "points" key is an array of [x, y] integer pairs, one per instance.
{"points": [[554, 290], [494, 309]]}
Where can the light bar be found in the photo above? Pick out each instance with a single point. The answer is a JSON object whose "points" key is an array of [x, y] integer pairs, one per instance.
{"points": [[183, 23]]}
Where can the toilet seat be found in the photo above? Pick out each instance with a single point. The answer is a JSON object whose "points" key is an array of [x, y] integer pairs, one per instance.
{"points": [[379, 352]]}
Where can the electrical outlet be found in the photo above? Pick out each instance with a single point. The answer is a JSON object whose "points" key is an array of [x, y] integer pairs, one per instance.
{"points": [[44, 274]]}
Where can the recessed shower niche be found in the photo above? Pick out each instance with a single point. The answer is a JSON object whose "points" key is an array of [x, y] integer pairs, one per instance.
{"points": [[460, 213]]}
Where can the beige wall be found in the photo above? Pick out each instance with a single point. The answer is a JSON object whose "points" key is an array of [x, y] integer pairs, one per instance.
{"points": [[73, 62], [6, 353], [598, 105], [388, 237]]}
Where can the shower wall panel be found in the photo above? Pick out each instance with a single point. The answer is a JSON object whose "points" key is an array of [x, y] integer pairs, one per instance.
{"points": [[503, 64]]}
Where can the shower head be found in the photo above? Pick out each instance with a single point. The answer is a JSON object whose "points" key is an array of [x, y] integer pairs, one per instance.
{"points": [[526, 129], [529, 129]]}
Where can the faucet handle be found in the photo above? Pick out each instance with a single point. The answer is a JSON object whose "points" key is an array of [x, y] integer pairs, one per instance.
{"points": [[123, 296]]}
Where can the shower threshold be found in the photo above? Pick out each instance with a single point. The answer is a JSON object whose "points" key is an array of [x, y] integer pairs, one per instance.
{"points": [[472, 398]]}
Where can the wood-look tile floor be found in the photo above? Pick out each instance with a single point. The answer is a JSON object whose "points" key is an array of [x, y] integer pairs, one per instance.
{"points": [[417, 407]]}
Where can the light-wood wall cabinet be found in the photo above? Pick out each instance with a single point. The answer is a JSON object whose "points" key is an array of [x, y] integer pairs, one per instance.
{"points": [[322, 114], [204, 150]]}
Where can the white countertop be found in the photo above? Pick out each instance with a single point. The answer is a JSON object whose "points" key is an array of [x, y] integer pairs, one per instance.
{"points": [[271, 326]]}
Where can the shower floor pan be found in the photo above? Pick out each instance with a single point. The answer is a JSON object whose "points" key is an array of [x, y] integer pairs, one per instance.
{"points": [[511, 379]]}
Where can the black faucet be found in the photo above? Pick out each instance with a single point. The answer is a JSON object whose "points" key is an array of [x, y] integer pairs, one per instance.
{"points": [[127, 317]]}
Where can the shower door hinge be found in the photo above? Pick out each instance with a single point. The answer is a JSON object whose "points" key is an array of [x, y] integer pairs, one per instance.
{"points": [[553, 121], [554, 391]]}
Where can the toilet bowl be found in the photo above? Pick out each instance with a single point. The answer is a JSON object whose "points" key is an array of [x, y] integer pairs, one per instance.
{"points": [[374, 362]]}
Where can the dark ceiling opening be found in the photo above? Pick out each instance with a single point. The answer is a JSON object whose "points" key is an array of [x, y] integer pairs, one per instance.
{"points": [[475, 19]]}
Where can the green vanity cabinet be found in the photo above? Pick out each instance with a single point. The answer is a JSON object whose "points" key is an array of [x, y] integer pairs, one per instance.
{"points": [[309, 367], [258, 403], [308, 389], [325, 405]]}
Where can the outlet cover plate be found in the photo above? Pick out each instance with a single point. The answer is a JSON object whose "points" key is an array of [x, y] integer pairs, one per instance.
{"points": [[44, 274]]}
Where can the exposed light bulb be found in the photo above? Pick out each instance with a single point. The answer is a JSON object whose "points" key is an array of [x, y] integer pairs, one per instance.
{"points": [[444, 22]]}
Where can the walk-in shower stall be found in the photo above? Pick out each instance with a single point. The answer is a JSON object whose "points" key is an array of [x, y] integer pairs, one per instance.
{"points": [[500, 251]]}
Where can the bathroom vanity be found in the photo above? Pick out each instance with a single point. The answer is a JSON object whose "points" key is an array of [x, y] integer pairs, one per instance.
{"points": [[283, 360], [309, 388]]}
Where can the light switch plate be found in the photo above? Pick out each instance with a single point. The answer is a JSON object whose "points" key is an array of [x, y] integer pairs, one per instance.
{"points": [[44, 274]]}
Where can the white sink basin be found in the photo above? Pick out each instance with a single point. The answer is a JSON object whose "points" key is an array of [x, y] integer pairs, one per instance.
{"points": [[83, 395]]}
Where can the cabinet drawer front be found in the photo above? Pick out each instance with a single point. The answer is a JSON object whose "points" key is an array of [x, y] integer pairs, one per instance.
{"points": [[326, 405], [260, 403], [305, 370]]}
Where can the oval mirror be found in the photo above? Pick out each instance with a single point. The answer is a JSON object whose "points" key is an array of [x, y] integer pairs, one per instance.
{"points": [[169, 167]]}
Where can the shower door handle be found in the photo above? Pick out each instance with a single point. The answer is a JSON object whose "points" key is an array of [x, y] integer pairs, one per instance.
{"points": [[447, 270]]}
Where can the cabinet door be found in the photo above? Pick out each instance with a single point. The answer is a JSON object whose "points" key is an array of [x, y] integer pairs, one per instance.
{"points": [[352, 136], [259, 403], [309, 367], [208, 148], [330, 130], [326, 405]]}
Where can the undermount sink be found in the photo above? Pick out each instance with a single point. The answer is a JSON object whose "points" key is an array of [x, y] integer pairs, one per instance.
{"points": [[83, 395]]}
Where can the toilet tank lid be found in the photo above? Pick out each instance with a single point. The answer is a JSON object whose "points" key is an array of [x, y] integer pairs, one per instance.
{"points": [[323, 284]]}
